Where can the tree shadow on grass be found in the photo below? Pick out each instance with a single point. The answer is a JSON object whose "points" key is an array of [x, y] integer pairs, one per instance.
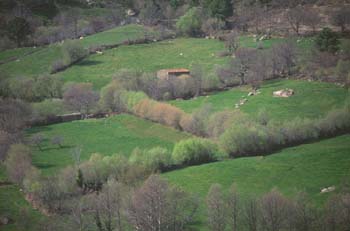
{"points": [[88, 63]]}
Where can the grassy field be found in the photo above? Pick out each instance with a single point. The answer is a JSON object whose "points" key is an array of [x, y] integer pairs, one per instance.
{"points": [[117, 134], [183, 52], [308, 167], [40, 62], [311, 99]]}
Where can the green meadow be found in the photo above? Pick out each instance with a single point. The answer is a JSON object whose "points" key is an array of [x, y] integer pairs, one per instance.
{"points": [[307, 168], [40, 61], [311, 100], [118, 134]]}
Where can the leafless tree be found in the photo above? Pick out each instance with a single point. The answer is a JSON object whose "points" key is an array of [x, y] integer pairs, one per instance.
{"points": [[155, 207], [295, 17], [37, 139], [149, 207], [79, 215], [245, 57], [233, 208], [341, 18], [304, 213], [274, 212], [232, 41], [57, 140], [110, 206], [80, 97], [312, 19], [18, 162], [283, 58], [216, 208], [260, 70], [251, 214], [182, 209], [197, 74]]}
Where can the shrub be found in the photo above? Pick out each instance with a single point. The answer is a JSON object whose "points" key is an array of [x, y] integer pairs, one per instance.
{"points": [[18, 162], [155, 159], [111, 97], [190, 23], [327, 41], [244, 139], [48, 107], [195, 151], [57, 66], [159, 112], [73, 51]]}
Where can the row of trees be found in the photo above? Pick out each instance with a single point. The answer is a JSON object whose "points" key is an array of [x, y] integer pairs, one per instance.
{"points": [[273, 211]]}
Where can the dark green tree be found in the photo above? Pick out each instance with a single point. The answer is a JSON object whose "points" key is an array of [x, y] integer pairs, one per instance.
{"points": [[80, 179], [327, 41], [18, 29], [219, 8]]}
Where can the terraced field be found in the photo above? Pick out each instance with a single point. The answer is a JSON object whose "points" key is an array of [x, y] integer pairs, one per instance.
{"points": [[308, 167], [311, 100], [117, 134]]}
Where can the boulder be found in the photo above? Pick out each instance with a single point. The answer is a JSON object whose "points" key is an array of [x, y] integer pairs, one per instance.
{"points": [[328, 189], [284, 93], [4, 220]]}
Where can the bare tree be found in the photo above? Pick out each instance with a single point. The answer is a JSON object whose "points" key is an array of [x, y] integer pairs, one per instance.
{"points": [[57, 140], [304, 213], [341, 18], [155, 206], [79, 214], [216, 208], [274, 212], [233, 208], [251, 214], [197, 74], [283, 57], [295, 17], [80, 97], [245, 57], [232, 41], [148, 209], [110, 205], [18, 162], [37, 139], [312, 19]]}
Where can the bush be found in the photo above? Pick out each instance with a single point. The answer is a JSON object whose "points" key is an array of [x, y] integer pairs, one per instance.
{"points": [[159, 112], [327, 41], [155, 159], [18, 162], [48, 107], [73, 51], [244, 139], [195, 151], [111, 97], [190, 23], [57, 66]]}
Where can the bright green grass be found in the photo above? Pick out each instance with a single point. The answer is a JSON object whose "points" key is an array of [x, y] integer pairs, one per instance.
{"points": [[40, 62], [99, 69], [11, 203], [18, 52], [308, 168], [117, 134], [311, 99]]}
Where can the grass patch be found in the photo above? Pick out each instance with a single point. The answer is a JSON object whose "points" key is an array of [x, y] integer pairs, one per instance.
{"points": [[311, 100], [308, 168], [40, 62], [117, 134], [178, 53]]}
